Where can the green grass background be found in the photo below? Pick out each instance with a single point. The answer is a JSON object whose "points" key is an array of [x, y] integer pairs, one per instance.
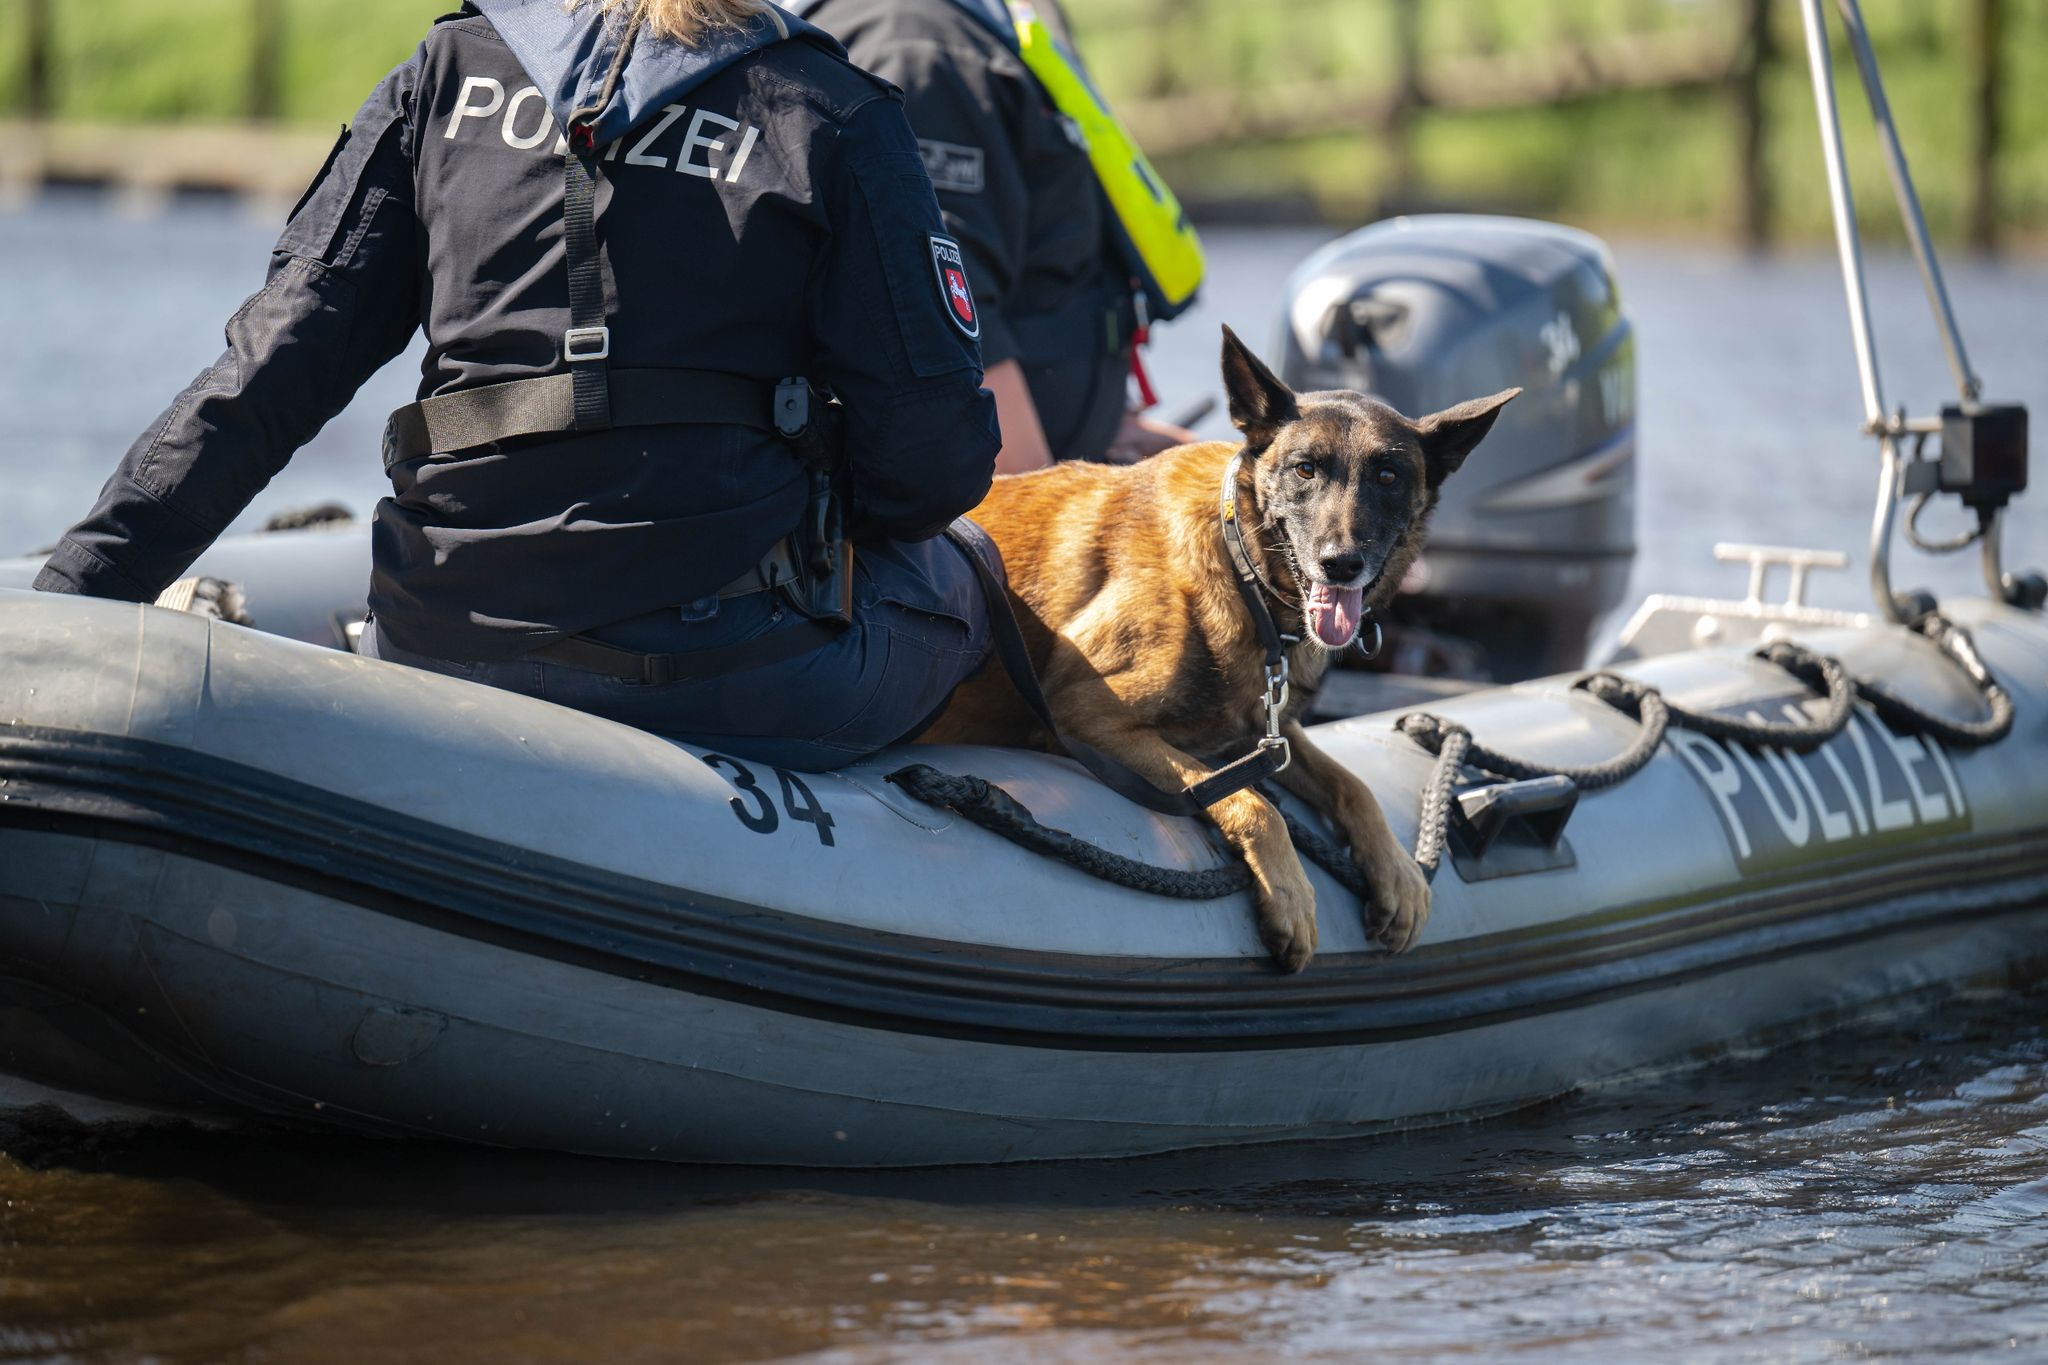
{"points": [[1661, 162]]}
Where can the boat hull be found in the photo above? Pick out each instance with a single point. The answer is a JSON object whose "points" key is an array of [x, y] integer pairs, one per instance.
{"points": [[251, 877]]}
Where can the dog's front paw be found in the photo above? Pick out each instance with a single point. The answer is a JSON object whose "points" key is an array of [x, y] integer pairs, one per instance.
{"points": [[1287, 921], [1401, 897]]}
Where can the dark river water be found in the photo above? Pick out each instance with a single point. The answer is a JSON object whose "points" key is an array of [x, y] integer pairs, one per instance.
{"points": [[1884, 1193]]}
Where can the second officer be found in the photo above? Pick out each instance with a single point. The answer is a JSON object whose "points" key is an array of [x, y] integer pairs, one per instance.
{"points": [[1075, 242]]}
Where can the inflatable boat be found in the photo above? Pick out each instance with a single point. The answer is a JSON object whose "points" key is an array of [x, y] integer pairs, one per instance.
{"points": [[245, 874], [252, 877]]}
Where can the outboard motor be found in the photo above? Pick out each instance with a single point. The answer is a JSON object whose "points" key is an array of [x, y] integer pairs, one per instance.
{"points": [[1534, 539]]}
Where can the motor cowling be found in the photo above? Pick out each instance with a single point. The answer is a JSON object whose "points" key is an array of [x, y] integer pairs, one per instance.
{"points": [[1533, 540]]}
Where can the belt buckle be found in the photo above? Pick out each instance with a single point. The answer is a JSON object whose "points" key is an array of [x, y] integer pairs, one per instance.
{"points": [[586, 343]]}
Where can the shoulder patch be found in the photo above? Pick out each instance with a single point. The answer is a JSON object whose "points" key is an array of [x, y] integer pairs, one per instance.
{"points": [[950, 268], [953, 166]]}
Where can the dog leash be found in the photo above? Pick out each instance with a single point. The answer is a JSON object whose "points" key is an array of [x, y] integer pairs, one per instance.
{"points": [[1268, 758], [1252, 587]]}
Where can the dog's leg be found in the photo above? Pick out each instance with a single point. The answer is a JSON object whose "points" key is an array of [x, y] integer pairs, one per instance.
{"points": [[1321, 781], [1248, 823]]}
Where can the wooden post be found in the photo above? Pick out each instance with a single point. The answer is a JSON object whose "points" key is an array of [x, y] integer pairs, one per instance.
{"points": [[1986, 24], [266, 33], [36, 80], [1158, 27], [1400, 125], [1753, 181]]}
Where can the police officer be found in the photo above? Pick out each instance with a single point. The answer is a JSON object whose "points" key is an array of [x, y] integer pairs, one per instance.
{"points": [[647, 240], [1012, 168]]}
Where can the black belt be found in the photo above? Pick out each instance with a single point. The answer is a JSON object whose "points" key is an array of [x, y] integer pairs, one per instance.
{"points": [[547, 406], [773, 648], [779, 646]]}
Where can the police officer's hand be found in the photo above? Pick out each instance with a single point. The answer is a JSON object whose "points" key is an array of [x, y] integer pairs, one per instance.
{"points": [[1024, 445], [1139, 437]]}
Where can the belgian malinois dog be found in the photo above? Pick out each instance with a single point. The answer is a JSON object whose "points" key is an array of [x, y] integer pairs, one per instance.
{"points": [[1145, 649]]}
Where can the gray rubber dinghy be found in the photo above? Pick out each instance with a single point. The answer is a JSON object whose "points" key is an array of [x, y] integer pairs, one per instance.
{"points": [[247, 875], [255, 876]]}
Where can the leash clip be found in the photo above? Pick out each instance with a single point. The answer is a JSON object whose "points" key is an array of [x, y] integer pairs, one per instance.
{"points": [[1276, 702], [1276, 685]]}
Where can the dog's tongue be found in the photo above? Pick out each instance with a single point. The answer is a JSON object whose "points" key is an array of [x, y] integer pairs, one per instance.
{"points": [[1335, 614]]}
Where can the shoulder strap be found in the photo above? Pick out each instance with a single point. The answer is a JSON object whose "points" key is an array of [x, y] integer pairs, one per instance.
{"points": [[587, 345]]}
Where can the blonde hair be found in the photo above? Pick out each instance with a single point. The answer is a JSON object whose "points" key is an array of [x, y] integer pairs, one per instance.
{"points": [[684, 21]]}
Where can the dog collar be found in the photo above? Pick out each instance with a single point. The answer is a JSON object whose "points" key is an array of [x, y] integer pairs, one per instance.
{"points": [[1245, 568]]}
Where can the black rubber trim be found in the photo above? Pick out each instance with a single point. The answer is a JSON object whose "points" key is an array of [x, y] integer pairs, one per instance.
{"points": [[226, 813]]}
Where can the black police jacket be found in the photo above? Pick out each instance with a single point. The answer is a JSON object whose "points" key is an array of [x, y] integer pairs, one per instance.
{"points": [[780, 222], [1020, 194]]}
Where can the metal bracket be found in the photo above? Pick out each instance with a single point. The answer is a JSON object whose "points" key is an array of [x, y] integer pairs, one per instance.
{"points": [[1511, 829], [1763, 558], [1896, 479], [1666, 623], [1542, 805]]}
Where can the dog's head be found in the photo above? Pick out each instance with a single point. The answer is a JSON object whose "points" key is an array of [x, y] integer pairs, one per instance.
{"points": [[1345, 484]]}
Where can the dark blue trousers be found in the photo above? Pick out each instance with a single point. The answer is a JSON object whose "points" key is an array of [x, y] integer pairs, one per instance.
{"points": [[920, 629]]}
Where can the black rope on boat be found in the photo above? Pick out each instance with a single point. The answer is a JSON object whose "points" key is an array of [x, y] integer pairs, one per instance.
{"points": [[1333, 858], [985, 804], [1952, 640], [1457, 751], [997, 811]]}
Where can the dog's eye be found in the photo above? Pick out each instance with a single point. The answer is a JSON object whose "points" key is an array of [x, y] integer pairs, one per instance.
{"points": [[1387, 478], [1305, 469]]}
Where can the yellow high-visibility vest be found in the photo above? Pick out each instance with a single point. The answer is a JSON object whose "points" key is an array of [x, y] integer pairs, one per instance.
{"points": [[1161, 248]]}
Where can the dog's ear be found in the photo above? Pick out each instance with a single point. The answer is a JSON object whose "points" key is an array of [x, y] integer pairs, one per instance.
{"points": [[1448, 436], [1259, 403]]}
